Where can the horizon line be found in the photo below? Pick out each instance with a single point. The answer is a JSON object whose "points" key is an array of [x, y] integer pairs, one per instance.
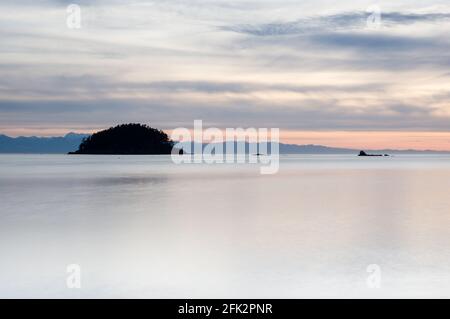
{"points": [[284, 142]]}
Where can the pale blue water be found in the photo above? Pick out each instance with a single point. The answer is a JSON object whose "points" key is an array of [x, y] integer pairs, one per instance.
{"points": [[140, 226]]}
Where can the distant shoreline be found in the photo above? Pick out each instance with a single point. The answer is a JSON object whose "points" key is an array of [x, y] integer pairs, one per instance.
{"points": [[71, 141]]}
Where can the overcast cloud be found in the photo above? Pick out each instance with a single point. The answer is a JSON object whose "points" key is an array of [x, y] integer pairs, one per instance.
{"points": [[296, 65]]}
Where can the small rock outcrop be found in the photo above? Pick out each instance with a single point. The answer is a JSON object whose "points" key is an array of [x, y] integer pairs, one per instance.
{"points": [[362, 153]]}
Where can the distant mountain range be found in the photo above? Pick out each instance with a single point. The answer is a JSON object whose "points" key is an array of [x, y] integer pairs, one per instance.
{"points": [[41, 145], [313, 149], [319, 149], [71, 141]]}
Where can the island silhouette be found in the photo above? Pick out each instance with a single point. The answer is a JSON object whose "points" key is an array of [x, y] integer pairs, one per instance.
{"points": [[127, 139]]}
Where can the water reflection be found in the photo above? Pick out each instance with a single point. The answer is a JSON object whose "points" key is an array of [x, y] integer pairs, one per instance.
{"points": [[142, 227]]}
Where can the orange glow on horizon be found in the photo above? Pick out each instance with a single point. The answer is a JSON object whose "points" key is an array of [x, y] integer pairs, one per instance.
{"points": [[439, 141], [368, 140]]}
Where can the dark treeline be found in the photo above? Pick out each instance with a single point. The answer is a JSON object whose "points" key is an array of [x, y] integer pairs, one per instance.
{"points": [[127, 139]]}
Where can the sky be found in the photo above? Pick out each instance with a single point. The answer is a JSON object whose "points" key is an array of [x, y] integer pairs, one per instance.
{"points": [[324, 72]]}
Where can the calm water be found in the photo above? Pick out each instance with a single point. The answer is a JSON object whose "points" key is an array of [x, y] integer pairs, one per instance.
{"points": [[144, 227]]}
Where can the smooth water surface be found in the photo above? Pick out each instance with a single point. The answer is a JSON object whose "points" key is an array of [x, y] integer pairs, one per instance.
{"points": [[141, 226]]}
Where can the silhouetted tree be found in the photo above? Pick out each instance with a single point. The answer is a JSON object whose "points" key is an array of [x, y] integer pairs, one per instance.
{"points": [[127, 139]]}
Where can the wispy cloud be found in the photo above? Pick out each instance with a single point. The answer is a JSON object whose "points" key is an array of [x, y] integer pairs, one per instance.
{"points": [[337, 22]]}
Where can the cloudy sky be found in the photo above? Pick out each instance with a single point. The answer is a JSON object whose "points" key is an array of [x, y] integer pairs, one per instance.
{"points": [[318, 70]]}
